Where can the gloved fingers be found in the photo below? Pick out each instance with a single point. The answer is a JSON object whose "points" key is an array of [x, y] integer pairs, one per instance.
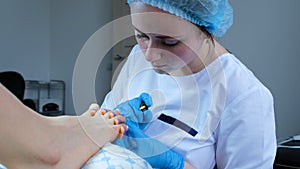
{"points": [[134, 131], [138, 102], [135, 103], [146, 102], [129, 114], [136, 109], [146, 98], [132, 124], [146, 117]]}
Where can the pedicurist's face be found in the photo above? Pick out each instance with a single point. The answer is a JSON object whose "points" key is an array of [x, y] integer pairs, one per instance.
{"points": [[169, 43]]}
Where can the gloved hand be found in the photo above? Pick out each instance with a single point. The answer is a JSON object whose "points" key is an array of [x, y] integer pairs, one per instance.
{"points": [[132, 111], [153, 151]]}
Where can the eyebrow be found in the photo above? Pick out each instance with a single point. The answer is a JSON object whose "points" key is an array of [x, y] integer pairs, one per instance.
{"points": [[157, 36]]}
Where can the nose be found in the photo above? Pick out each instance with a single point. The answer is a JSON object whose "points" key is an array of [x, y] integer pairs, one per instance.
{"points": [[153, 53]]}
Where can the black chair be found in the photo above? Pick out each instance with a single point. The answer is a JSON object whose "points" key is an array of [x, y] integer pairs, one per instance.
{"points": [[14, 82], [288, 154]]}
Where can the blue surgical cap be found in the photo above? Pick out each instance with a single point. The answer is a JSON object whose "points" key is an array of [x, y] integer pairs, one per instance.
{"points": [[215, 15]]}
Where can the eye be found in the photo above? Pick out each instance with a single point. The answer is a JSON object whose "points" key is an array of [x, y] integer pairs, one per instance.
{"points": [[142, 37], [170, 42]]}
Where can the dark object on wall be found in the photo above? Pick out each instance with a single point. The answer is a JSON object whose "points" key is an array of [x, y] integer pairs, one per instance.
{"points": [[14, 82], [288, 154]]}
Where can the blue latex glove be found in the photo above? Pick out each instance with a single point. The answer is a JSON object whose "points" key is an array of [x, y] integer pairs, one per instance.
{"points": [[131, 110], [153, 151]]}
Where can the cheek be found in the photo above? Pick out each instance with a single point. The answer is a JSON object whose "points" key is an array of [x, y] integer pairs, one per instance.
{"points": [[184, 54], [143, 44]]}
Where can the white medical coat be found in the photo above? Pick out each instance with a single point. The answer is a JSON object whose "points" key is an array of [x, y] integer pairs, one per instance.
{"points": [[231, 110]]}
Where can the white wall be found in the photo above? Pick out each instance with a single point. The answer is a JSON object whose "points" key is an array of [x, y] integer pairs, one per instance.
{"points": [[25, 37], [41, 39], [265, 35], [72, 23]]}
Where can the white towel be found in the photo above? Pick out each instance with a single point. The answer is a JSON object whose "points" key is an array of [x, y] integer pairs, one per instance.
{"points": [[116, 157]]}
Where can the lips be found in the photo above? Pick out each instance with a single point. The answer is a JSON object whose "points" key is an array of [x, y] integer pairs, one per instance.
{"points": [[157, 66]]}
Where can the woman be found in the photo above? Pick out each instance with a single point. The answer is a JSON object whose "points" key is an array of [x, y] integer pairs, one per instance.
{"points": [[207, 106]]}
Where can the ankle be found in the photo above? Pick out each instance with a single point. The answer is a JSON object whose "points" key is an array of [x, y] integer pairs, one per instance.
{"points": [[73, 145]]}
